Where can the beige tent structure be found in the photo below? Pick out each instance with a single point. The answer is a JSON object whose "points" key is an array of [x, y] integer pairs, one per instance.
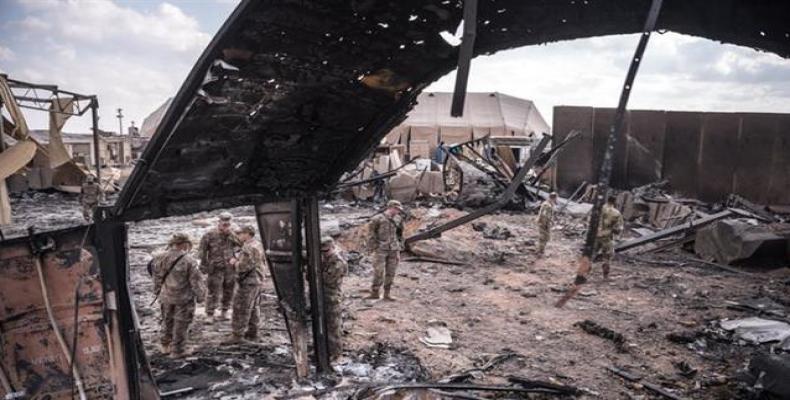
{"points": [[494, 114]]}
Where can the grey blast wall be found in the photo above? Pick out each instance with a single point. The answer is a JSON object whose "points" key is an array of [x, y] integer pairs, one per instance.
{"points": [[703, 155]]}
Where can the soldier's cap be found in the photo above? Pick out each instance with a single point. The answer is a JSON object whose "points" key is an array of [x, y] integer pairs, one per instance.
{"points": [[553, 195], [327, 241], [225, 216], [179, 238], [246, 229], [395, 204]]}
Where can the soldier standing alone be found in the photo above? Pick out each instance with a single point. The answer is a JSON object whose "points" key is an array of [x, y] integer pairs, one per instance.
{"points": [[611, 225], [249, 267], [386, 239], [179, 285], [334, 269], [90, 194], [216, 249], [545, 216]]}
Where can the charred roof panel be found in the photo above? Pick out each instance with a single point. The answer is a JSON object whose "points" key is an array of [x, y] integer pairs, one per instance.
{"points": [[290, 94]]}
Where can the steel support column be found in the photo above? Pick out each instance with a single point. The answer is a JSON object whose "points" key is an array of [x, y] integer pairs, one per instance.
{"points": [[316, 283], [110, 241], [280, 226], [465, 55], [96, 153]]}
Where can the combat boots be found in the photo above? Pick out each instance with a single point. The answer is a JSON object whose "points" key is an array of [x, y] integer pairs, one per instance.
{"points": [[388, 296], [374, 294], [605, 268]]}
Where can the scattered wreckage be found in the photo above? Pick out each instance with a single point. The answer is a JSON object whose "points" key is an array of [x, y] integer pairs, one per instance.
{"points": [[286, 99]]}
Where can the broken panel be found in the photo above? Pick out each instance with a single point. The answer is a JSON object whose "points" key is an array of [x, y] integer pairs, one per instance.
{"points": [[574, 163], [681, 148], [718, 152], [645, 147]]}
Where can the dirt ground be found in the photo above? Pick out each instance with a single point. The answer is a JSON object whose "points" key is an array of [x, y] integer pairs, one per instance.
{"points": [[500, 300]]}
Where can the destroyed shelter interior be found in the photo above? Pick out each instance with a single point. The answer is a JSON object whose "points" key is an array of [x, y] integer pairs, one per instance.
{"points": [[295, 120]]}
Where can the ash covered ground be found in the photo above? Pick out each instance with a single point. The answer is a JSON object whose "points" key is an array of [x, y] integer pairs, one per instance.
{"points": [[499, 301]]}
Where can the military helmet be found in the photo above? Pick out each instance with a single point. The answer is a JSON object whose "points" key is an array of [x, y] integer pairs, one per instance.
{"points": [[553, 195], [179, 238], [225, 216], [248, 229], [395, 204]]}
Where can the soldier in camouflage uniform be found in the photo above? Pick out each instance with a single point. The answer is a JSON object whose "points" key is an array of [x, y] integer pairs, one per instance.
{"points": [[334, 269], [90, 195], [545, 216], [217, 248], [249, 267], [179, 285], [611, 224], [386, 239]]}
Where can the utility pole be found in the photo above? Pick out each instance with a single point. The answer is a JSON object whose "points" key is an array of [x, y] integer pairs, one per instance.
{"points": [[120, 121]]}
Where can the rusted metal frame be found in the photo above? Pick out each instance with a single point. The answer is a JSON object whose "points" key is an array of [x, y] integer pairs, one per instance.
{"points": [[347, 185], [312, 230], [17, 84], [178, 109], [96, 152], [615, 130], [37, 249], [475, 152], [110, 242], [465, 55], [691, 226], [517, 181], [499, 179]]}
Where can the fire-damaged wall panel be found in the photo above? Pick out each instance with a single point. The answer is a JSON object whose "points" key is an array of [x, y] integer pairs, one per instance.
{"points": [[37, 304], [703, 155], [754, 154], [646, 136], [681, 147], [717, 159], [575, 161], [779, 178]]}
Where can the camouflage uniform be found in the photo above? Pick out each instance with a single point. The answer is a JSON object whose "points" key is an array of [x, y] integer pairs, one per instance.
{"points": [[215, 251], [545, 216], [334, 268], [611, 224], [246, 312], [182, 287], [89, 198], [387, 241]]}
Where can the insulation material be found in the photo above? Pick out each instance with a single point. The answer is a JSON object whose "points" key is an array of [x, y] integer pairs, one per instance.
{"points": [[431, 183], [395, 159], [20, 130], [60, 111], [381, 164], [419, 149], [5, 204], [455, 134], [16, 157], [403, 187]]}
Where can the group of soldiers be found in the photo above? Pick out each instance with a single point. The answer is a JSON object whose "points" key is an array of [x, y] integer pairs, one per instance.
{"points": [[229, 275], [609, 227], [230, 272]]}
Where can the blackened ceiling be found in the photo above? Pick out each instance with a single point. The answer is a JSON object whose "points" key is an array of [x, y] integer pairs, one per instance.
{"points": [[290, 93]]}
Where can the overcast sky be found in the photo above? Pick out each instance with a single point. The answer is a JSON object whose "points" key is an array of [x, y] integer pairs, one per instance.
{"points": [[136, 54]]}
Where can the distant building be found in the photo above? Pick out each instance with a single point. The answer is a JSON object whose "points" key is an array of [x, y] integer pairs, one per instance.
{"points": [[114, 150], [485, 114]]}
